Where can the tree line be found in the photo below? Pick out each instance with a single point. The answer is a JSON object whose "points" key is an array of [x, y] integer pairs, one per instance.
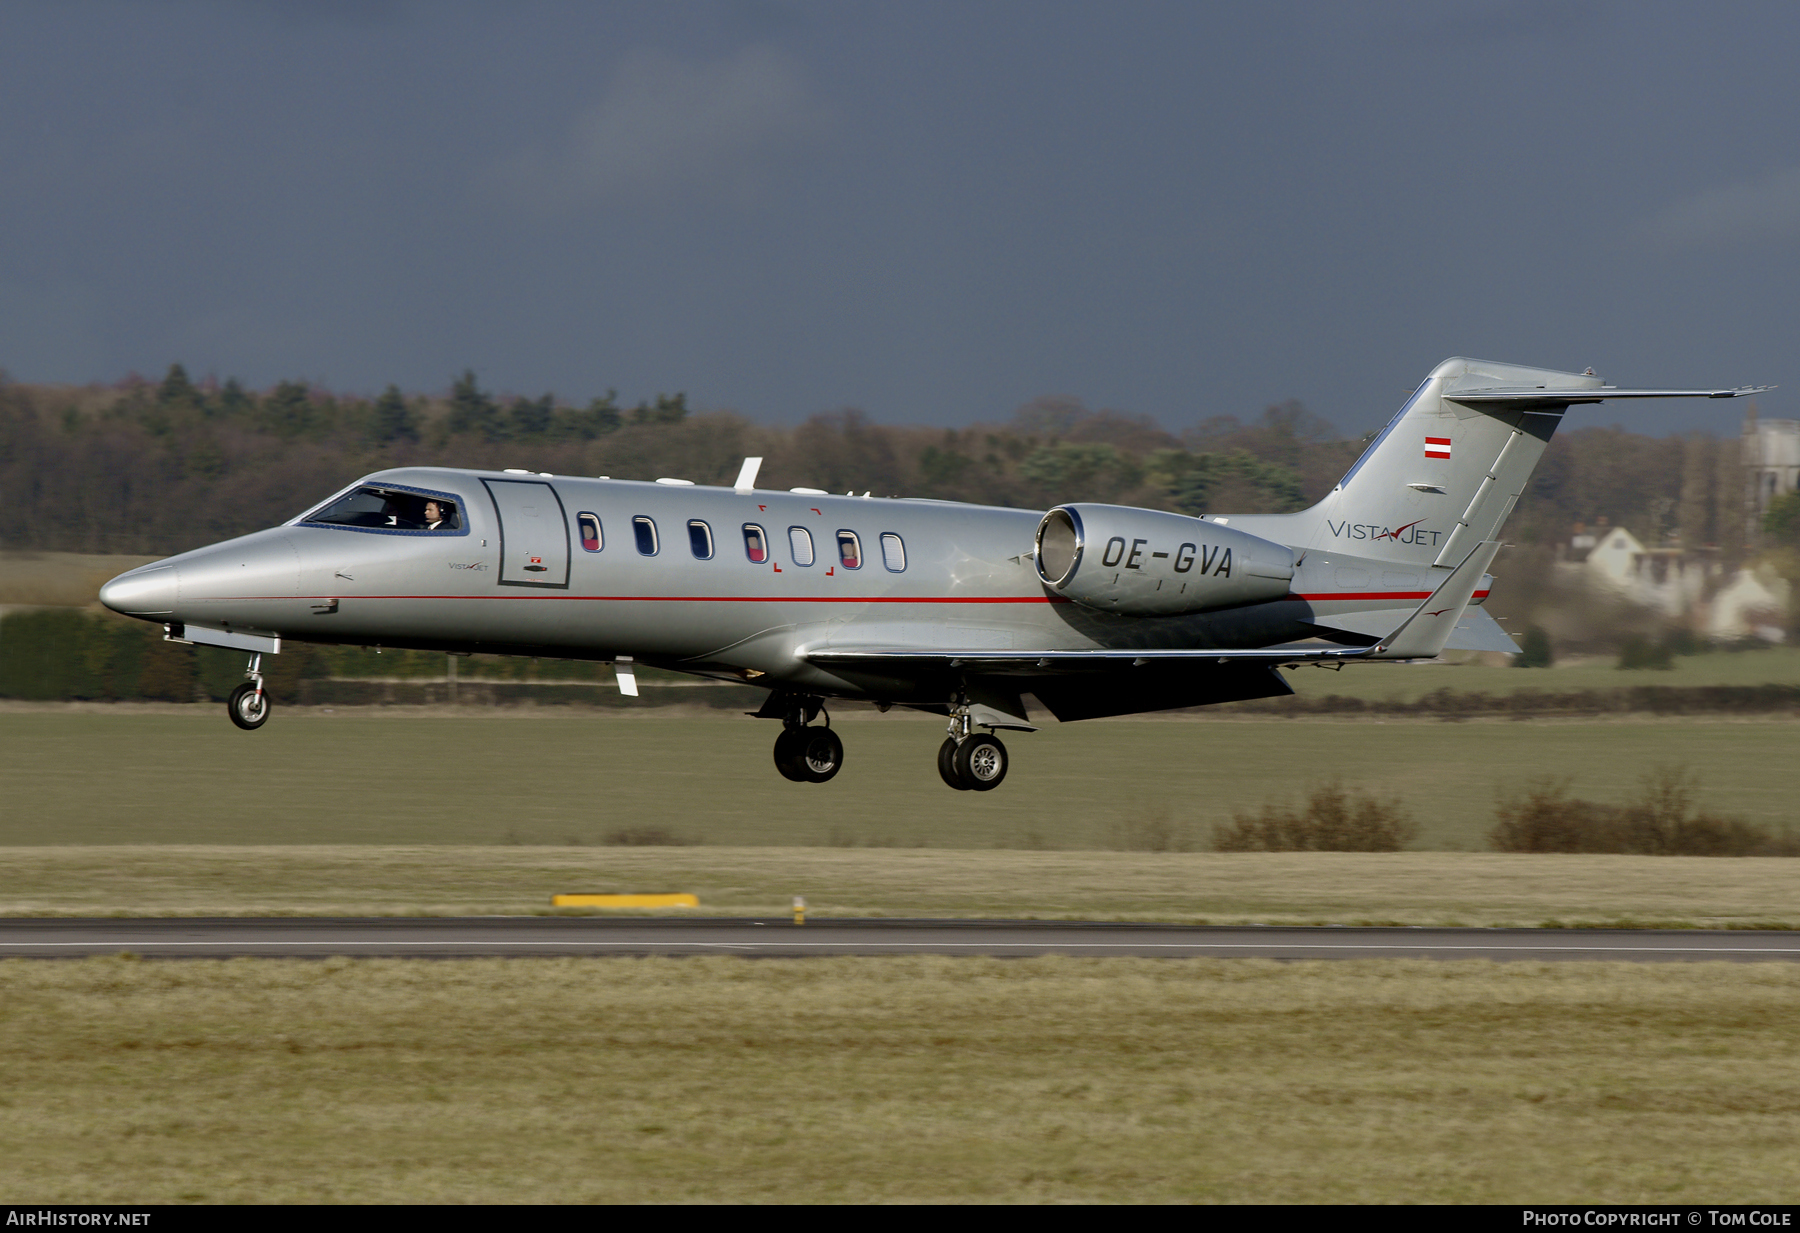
{"points": [[160, 467]]}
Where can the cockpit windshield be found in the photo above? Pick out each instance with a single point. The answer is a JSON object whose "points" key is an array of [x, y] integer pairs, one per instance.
{"points": [[390, 509]]}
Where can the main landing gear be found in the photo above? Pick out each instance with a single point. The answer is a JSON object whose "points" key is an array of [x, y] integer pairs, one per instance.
{"points": [[806, 754], [248, 705], [971, 761]]}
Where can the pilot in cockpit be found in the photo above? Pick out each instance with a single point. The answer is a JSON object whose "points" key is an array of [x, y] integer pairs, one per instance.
{"points": [[440, 516]]}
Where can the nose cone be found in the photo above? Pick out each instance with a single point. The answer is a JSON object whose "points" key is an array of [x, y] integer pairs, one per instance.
{"points": [[147, 591]]}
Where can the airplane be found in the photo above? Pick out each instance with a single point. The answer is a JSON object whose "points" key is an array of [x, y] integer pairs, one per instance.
{"points": [[959, 610]]}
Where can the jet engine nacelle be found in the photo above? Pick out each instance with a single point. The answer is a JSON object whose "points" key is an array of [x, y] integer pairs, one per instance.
{"points": [[1141, 562]]}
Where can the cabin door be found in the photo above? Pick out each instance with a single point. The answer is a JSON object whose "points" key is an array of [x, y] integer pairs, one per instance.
{"points": [[534, 533]]}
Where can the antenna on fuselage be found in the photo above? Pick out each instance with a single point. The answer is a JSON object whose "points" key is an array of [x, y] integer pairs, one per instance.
{"points": [[746, 480]]}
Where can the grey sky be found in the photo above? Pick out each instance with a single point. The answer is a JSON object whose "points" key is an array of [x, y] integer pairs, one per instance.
{"points": [[933, 212]]}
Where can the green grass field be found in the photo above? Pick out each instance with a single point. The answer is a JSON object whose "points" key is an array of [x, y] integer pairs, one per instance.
{"points": [[899, 1080], [704, 1080], [1407, 682], [567, 777]]}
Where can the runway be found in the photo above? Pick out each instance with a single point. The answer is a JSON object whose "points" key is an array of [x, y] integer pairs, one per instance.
{"points": [[778, 937]]}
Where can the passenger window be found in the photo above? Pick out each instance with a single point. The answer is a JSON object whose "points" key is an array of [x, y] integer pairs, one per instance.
{"points": [[700, 540], [756, 544], [645, 530], [893, 552], [590, 531], [800, 544], [849, 550]]}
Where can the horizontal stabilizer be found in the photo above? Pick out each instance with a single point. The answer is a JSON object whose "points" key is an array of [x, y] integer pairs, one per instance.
{"points": [[1529, 395]]}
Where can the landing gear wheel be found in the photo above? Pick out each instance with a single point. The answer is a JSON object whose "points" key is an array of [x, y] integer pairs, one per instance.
{"points": [[809, 755], [248, 709], [947, 764], [821, 754], [981, 763], [789, 754]]}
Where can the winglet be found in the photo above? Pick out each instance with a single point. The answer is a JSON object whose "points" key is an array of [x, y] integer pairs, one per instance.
{"points": [[1424, 633]]}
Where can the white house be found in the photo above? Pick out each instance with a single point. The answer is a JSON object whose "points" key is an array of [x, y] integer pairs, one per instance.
{"points": [[1748, 603], [1668, 580], [1752, 604]]}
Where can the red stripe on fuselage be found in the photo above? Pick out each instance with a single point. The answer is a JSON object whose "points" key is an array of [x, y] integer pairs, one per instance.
{"points": [[690, 599], [810, 599]]}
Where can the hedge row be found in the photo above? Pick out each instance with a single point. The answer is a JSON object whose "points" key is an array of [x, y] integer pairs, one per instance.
{"points": [[519, 693], [1531, 703], [65, 654]]}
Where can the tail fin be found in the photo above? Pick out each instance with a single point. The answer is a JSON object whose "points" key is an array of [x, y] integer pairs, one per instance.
{"points": [[1446, 471]]}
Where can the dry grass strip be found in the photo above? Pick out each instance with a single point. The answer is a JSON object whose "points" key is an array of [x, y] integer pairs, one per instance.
{"points": [[904, 1079], [1410, 888]]}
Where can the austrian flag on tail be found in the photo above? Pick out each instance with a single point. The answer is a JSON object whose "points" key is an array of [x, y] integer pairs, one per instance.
{"points": [[1437, 447]]}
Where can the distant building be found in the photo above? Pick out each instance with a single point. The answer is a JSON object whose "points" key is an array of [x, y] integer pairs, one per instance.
{"points": [[1669, 580], [1752, 604], [1771, 467], [1689, 586], [1689, 583]]}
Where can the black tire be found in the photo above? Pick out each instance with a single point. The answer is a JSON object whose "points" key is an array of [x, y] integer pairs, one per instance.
{"points": [[789, 750], [821, 754], [947, 764], [981, 763], [248, 709]]}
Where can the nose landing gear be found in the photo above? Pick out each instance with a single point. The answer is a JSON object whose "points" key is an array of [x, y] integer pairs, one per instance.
{"points": [[248, 705]]}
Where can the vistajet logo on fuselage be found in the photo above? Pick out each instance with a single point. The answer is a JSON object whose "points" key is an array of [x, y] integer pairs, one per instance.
{"points": [[1411, 533]]}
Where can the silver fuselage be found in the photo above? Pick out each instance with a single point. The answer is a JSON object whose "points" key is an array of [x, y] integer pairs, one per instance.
{"points": [[967, 582]]}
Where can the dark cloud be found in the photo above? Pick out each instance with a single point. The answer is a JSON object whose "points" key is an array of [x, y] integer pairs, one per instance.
{"points": [[1756, 212], [1490, 21], [666, 126], [934, 211]]}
